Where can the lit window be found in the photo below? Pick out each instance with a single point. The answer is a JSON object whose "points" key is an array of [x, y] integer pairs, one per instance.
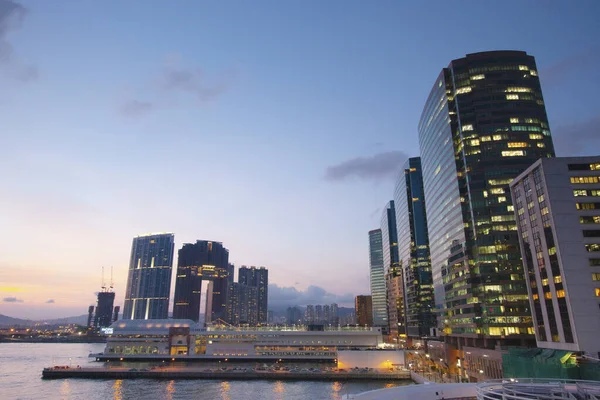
{"points": [[485, 138], [535, 136], [517, 144], [474, 142], [541, 145], [513, 153], [557, 279], [594, 247], [595, 167], [497, 191], [560, 294], [467, 127], [501, 199], [523, 68], [584, 179], [545, 282], [548, 295], [466, 89], [533, 72], [592, 219], [478, 77], [596, 276], [497, 137], [597, 292], [582, 192], [514, 120], [587, 206], [518, 90], [512, 97], [535, 296]]}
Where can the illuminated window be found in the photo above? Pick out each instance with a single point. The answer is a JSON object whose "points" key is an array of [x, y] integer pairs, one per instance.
{"points": [[587, 206], [597, 292], [536, 296], [514, 120], [557, 279], [501, 199], [595, 167], [497, 137], [485, 138], [533, 72], [512, 97], [592, 219], [535, 136], [523, 68], [477, 77], [497, 191], [596, 276], [513, 153], [510, 208], [517, 144], [518, 90], [548, 295], [584, 179], [594, 247], [462, 90], [560, 294], [541, 145], [545, 282], [474, 142], [581, 192], [468, 127]]}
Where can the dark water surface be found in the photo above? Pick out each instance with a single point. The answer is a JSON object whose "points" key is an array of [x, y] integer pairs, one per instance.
{"points": [[21, 367]]}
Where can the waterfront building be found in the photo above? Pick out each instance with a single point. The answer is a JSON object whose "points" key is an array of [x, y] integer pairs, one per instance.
{"points": [[104, 309], [377, 279], [203, 260], [258, 278], [483, 124], [392, 271], [364, 310], [413, 250], [90, 318], [557, 206], [149, 278]]}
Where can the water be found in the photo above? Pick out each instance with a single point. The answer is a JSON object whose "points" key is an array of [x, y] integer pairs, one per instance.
{"points": [[21, 367]]}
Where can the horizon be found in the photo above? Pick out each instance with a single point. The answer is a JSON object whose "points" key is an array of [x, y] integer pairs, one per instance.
{"points": [[277, 130]]}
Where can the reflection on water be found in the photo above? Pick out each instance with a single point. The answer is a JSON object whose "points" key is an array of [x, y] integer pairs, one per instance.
{"points": [[389, 385], [225, 388], [336, 386], [65, 389], [278, 387], [170, 390], [118, 389]]}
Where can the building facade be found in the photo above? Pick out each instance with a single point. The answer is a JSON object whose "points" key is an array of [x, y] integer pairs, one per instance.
{"points": [[392, 270], [104, 309], [203, 260], [258, 278], [377, 278], [364, 310], [149, 278], [413, 250], [483, 124], [557, 206]]}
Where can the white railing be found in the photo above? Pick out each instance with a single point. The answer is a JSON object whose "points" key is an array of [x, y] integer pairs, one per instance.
{"points": [[538, 389]]}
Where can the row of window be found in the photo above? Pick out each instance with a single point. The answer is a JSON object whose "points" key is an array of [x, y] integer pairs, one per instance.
{"points": [[590, 219], [585, 179], [588, 206], [585, 192], [584, 167]]}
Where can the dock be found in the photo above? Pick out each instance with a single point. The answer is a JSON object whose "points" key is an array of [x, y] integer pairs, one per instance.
{"points": [[199, 373]]}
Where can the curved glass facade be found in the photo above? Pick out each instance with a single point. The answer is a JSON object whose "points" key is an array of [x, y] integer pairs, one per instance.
{"points": [[377, 277], [483, 124]]}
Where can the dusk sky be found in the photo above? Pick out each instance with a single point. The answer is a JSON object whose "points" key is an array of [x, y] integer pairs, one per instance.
{"points": [[275, 127]]}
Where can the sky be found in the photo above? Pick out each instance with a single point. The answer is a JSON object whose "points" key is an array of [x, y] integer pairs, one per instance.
{"points": [[275, 127]]}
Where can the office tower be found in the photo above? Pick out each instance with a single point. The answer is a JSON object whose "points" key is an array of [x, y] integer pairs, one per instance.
{"points": [[115, 317], [413, 250], [558, 212], [377, 278], [326, 311], [149, 278], [293, 316], [90, 318], [309, 316], [318, 313], [233, 304], [483, 124], [203, 260], [259, 278], [364, 310], [248, 303], [104, 309], [391, 267]]}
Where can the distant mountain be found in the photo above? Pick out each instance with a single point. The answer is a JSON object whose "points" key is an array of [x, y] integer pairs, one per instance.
{"points": [[6, 321]]}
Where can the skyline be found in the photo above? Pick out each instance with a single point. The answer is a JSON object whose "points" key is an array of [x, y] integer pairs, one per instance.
{"points": [[172, 120]]}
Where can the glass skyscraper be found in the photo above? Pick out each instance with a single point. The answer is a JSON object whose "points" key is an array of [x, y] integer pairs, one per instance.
{"points": [[413, 250], [377, 277], [197, 261], [483, 124], [392, 271], [149, 278]]}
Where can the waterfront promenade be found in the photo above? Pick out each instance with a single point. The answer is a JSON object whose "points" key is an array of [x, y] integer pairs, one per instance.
{"points": [[187, 372]]}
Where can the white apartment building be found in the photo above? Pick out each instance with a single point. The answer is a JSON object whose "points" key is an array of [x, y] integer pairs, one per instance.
{"points": [[557, 207]]}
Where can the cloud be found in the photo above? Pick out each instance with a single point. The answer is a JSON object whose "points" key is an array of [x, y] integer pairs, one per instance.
{"points": [[566, 67], [12, 300], [51, 301], [282, 297], [578, 138], [136, 108], [194, 81], [12, 15], [376, 167]]}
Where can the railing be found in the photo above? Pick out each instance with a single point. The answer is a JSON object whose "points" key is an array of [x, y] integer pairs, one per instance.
{"points": [[538, 389]]}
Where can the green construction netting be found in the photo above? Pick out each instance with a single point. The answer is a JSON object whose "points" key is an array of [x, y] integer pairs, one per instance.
{"points": [[540, 363]]}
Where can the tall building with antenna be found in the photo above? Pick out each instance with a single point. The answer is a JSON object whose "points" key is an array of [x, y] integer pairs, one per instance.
{"points": [[104, 308]]}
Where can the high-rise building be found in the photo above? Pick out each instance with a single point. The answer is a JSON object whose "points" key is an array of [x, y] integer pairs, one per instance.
{"points": [[259, 278], [558, 212], [293, 316], [115, 317], [90, 318], [318, 313], [364, 310], [483, 124], [104, 309], [334, 318], [377, 278], [149, 278], [309, 315], [203, 260], [413, 250], [392, 270]]}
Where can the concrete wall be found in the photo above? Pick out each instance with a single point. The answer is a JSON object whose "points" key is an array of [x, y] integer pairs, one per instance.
{"points": [[380, 359]]}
